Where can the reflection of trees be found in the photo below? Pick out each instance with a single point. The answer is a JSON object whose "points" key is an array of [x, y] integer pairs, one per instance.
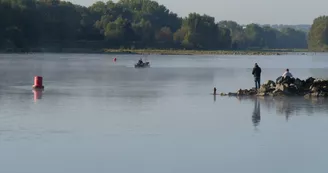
{"points": [[296, 106], [285, 107], [292, 106]]}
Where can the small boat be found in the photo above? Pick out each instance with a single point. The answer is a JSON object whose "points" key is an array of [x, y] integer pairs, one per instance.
{"points": [[143, 65]]}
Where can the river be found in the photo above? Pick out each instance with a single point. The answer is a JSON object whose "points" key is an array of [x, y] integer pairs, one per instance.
{"points": [[100, 116]]}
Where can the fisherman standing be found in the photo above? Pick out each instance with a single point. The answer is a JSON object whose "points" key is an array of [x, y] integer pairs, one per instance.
{"points": [[257, 75]]}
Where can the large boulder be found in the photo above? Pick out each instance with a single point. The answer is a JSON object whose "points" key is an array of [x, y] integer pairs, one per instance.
{"points": [[279, 80], [320, 83], [285, 89], [266, 88], [282, 87], [292, 89], [299, 83], [270, 83], [309, 80], [278, 93], [283, 80]]}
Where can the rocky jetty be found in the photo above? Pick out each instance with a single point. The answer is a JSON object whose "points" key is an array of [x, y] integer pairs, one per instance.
{"points": [[310, 87]]}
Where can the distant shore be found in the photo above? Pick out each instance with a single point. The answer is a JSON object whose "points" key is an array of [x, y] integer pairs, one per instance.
{"points": [[203, 52], [161, 51]]}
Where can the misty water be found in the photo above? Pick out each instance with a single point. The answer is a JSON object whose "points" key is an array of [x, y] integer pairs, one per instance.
{"points": [[100, 116]]}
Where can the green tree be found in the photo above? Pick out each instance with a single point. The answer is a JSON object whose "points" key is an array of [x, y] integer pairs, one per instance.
{"points": [[318, 35], [137, 23]]}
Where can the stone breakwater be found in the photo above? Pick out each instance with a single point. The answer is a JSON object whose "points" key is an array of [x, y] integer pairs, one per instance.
{"points": [[308, 88]]}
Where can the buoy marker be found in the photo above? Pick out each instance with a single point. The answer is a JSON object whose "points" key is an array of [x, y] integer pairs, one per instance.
{"points": [[38, 82]]}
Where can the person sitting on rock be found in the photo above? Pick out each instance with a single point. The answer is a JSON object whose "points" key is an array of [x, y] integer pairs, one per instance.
{"points": [[287, 73], [288, 77]]}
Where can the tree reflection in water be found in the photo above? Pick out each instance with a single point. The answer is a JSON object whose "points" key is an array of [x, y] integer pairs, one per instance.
{"points": [[294, 106]]}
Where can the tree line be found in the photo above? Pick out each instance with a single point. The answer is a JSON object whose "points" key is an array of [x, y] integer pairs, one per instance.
{"points": [[130, 24], [318, 35]]}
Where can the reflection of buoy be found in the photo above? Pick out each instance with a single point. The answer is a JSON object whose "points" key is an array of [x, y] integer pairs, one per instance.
{"points": [[38, 83], [37, 94], [114, 59]]}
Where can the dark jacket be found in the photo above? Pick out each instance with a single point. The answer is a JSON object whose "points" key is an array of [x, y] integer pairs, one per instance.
{"points": [[140, 62], [257, 71]]}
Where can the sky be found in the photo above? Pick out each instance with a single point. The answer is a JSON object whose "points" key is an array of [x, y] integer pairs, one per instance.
{"points": [[247, 11]]}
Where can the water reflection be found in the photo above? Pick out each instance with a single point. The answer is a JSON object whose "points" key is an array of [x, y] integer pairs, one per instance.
{"points": [[37, 94], [285, 107], [293, 106], [288, 107], [256, 116]]}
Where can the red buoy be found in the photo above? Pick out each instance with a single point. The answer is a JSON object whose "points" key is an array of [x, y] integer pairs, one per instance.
{"points": [[114, 59], [38, 82]]}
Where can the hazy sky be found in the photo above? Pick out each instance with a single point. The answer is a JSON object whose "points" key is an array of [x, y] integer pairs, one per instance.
{"points": [[247, 11]]}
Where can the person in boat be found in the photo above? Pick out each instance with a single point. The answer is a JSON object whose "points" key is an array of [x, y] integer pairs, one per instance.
{"points": [[140, 62], [257, 75]]}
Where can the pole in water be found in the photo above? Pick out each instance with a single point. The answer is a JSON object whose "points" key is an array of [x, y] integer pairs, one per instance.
{"points": [[214, 92], [38, 82]]}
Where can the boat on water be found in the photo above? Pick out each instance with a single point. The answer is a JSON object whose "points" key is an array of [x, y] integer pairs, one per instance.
{"points": [[142, 65]]}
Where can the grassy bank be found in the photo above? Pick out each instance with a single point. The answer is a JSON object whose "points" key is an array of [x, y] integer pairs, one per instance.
{"points": [[157, 51], [202, 52]]}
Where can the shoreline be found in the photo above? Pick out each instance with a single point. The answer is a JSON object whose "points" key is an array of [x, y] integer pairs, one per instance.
{"points": [[258, 52], [200, 52]]}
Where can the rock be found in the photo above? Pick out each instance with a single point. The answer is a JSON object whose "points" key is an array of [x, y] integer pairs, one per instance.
{"points": [[292, 89], [314, 88], [279, 93], [281, 87], [309, 88], [240, 92], [287, 80], [309, 81], [232, 94], [270, 83], [317, 81], [264, 88], [279, 80], [267, 88], [246, 92], [323, 94], [262, 94], [299, 83]]}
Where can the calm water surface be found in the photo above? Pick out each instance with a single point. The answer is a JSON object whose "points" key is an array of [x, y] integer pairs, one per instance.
{"points": [[97, 116]]}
